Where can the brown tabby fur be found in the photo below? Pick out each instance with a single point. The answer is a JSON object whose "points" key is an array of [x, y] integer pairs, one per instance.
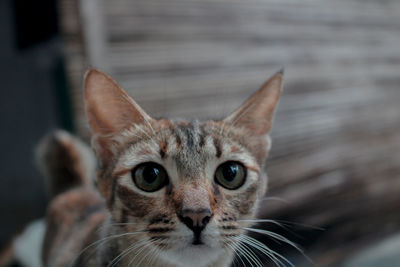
{"points": [[125, 226]]}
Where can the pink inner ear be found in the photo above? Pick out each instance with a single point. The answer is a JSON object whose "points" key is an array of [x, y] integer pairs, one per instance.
{"points": [[108, 107], [257, 112]]}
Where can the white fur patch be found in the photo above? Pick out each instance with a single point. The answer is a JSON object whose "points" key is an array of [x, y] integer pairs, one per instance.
{"points": [[28, 245]]}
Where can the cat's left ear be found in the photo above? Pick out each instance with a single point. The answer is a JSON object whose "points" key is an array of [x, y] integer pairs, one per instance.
{"points": [[257, 112], [109, 108]]}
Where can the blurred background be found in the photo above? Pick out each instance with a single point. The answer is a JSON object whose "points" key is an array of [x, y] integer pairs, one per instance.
{"points": [[335, 161]]}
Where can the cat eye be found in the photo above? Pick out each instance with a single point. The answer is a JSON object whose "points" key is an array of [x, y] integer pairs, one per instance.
{"points": [[149, 176], [230, 175]]}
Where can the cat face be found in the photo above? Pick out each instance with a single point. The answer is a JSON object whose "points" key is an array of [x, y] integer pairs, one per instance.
{"points": [[182, 188]]}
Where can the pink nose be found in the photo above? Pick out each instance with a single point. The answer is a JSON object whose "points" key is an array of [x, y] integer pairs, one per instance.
{"points": [[196, 220]]}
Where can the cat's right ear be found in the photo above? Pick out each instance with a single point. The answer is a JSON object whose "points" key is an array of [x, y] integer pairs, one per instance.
{"points": [[256, 114], [109, 108]]}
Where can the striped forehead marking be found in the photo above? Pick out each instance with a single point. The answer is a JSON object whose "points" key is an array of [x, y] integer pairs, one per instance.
{"points": [[191, 140], [189, 144]]}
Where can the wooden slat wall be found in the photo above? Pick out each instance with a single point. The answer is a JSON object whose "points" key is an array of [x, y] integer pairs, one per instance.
{"points": [[336, 138]]}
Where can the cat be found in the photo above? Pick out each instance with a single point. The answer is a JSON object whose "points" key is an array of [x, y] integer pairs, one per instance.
{"points": [[167, 192]]}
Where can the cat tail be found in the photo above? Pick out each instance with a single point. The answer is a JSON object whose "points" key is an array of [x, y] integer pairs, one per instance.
{"points": [[66, 162]]}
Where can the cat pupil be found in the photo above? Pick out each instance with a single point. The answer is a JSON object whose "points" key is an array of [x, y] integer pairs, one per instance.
{"points": [[150, 174], [230, 172]]}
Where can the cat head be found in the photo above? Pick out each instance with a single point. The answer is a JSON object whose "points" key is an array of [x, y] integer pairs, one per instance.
{"points": [[186, 187]]}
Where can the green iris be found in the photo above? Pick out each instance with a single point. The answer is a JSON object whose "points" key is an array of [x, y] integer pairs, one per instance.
{"points": [[230, 175], [150, 176]]}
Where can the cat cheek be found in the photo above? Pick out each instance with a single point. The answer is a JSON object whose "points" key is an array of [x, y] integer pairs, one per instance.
{"points": [[244, 202], [137, 205]]}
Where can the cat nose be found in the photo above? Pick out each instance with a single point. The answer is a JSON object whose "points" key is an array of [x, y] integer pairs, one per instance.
{"points": [[196, 220]]}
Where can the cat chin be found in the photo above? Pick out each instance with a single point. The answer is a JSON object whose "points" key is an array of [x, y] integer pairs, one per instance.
{"points": [[193, 255]]}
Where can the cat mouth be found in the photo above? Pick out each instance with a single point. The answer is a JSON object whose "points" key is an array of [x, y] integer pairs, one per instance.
{"points": [[197, 241], [200, 246]]}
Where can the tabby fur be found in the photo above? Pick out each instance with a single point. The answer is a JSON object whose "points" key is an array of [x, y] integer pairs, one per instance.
{"points": [[114, 223]]}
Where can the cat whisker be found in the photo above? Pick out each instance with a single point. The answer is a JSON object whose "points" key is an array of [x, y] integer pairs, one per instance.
{"points": [[262, 220], [275, 199], [230, 247], [125, 252], [242, 252], [274, 256], [248, 253], [282, 223], [278, 237], [101, 241], [149, 252], [243, 241], [236, 253], [118, 224], [275, 236], [147, 243], [154, 255], [239, 253]]}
